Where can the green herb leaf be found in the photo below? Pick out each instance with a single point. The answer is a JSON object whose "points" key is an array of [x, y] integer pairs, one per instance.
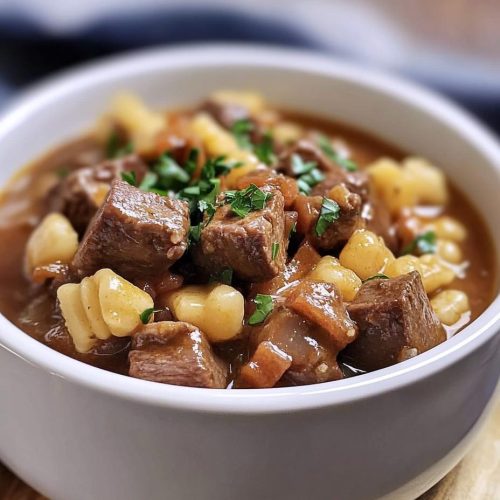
{"points": [[146, 315], [195, 233], [241, 130], [379, 276], [330, 212], [293, 230], [264, 150], [115, 148], [263, 307], [274, 250], [170, 174], [423, 243], [326, 146], [130, 177], [247, 200], [225, 276], [149, 181], [299, 166], [192, 161]]}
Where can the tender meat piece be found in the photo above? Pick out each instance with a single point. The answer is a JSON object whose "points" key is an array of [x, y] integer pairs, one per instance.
{"points": [[340, 230], [245, 244], [321, 303], [356, 182], [308, 151], [303, 262], [266, 177], [395, 321], [313, 356], [135, 233], [378, 220], [173, 352], [265, 368], [226, 114], [80, 195]]}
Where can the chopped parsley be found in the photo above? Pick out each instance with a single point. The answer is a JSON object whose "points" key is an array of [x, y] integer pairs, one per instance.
{"points": [[192, 161], [423, 243], [195, 233], [330, 212], [146, 315], [225, 276], [326, 146], [130, 177], [171, 176], [247, 200], [149, 181], [293, 230], [241, 130], [378, 276], [264, 150], [263, 307], [274, 250], [308, 172], [115, 148]]}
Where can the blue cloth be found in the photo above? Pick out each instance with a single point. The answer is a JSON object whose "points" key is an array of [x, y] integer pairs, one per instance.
{"points": [[29, 52]]}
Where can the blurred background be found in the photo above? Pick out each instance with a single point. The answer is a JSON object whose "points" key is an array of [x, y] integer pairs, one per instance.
{"points": [[450, 45]]}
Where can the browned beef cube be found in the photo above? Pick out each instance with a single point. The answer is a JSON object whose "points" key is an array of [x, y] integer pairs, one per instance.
{"points": [[265, 368], [378, 219], [395, 321], [356, 182], [226, 114], [80, 194], [173, 352], [246, 244], [321, 303], [135, 233], [338, 231], [314, 358]]}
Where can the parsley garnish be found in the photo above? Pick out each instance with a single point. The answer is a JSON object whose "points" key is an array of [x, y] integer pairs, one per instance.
{"points": [[423, 243], [309, 173], [264, 150], [241, 130], [225, 276], [293, 230], [274, 250], [192, 161], [379, 276], [326, 146], [130, 177], [115, 149], [330, 212], [247, 200], [149, 181], [170, 174], [263, 307], [195, 232], [146, 315]]}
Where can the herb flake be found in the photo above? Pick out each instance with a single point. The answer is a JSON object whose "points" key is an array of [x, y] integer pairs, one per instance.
{"points": [[422, 244], [330, 212], [274, 250], [146, 315], [263, 307], [378, 276], [241, 130], [247, 200], [326, 146], [130, 177]]}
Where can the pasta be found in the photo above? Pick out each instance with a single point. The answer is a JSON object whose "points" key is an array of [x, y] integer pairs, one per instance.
{"points": [[54, 240], [215, 309], [100, 306]]}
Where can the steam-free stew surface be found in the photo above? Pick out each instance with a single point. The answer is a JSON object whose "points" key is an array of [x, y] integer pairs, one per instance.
{"points": [[33, 308]]}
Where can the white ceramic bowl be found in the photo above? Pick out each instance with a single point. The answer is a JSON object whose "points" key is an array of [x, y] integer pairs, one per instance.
{"points": [[77, 432]]}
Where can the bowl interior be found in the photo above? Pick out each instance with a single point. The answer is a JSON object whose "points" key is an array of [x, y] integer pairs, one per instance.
{"points": [[396, 112]]}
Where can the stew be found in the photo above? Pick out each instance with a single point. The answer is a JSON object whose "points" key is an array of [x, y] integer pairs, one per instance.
{"points": [[234, 245]]}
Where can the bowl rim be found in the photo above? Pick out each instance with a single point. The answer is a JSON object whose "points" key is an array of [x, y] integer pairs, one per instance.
{"points": [[255, 401]]}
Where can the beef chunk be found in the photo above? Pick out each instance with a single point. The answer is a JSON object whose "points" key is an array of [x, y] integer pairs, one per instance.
{"points": [[309, 152], [356, 182], [395, 320], [340, 230], [314, 359], [265, 368], [378, 220], [245, 244], [227, 114], [135, 233], [267, 177], [80, 194], [321, 303], [173, 352]]}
